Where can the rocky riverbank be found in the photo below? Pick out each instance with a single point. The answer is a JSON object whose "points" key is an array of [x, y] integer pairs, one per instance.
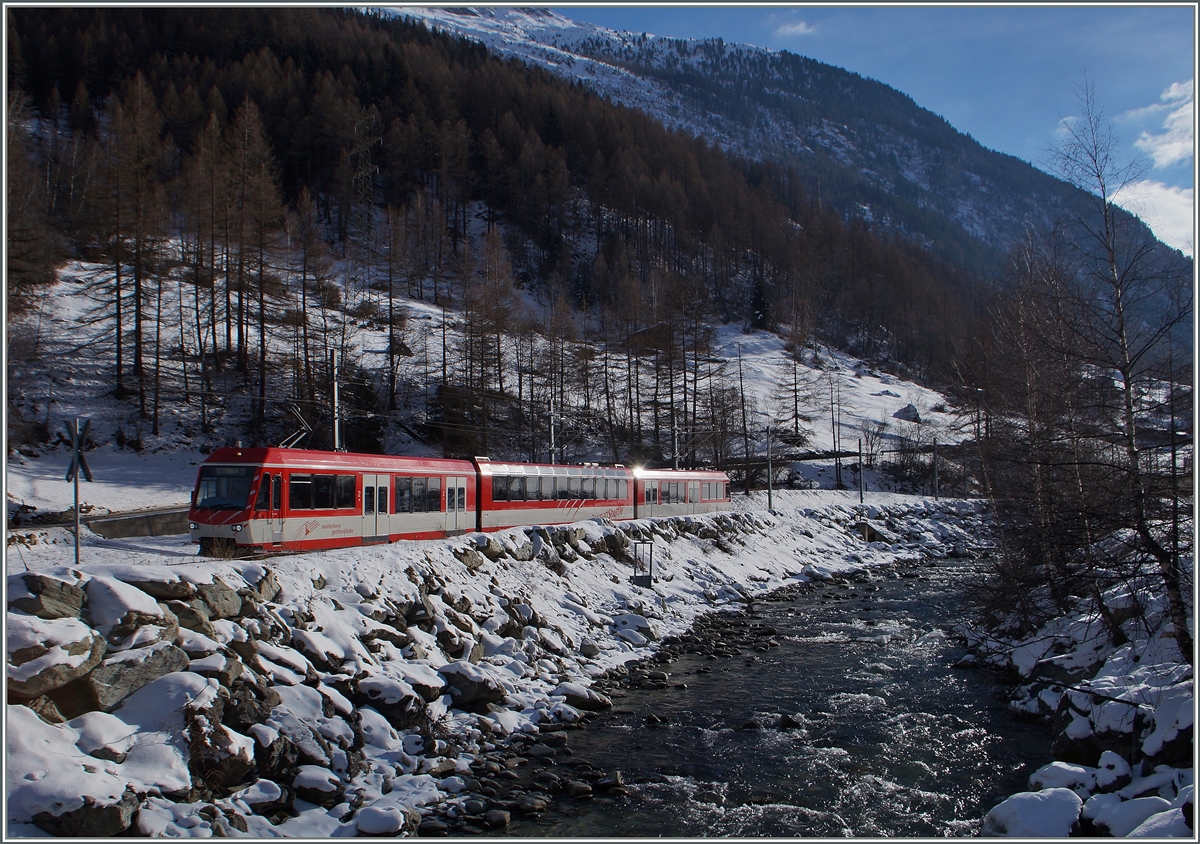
{"points": [[424, 687], [1123, 720]]}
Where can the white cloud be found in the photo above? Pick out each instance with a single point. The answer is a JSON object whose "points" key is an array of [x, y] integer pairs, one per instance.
{"points": [[1176, 144], [798, 28], [1166, 209]]}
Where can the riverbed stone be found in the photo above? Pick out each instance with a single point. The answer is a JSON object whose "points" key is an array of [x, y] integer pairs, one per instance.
{"points": [[496, 818], [577, 789], [532, 803]]}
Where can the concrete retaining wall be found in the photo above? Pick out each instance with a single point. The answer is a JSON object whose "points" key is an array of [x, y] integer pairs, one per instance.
{"points": [[163, 523]]}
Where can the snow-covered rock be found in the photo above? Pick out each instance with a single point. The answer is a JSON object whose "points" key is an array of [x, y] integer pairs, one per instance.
{"points": [[1051, 813], [45, 654]]}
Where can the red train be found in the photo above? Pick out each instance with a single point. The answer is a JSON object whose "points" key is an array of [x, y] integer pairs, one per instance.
{"points": [[291, 499]]}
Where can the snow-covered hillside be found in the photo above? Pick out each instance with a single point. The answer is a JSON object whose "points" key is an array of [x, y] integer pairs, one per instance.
{"points": [[54, 382], [816, 115]]}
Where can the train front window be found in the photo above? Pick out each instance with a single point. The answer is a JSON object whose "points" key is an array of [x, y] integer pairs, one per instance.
{"points": [[224, 487]]}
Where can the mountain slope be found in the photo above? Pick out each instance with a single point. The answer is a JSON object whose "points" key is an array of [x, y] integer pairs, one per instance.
{"points": [[863, 147]]}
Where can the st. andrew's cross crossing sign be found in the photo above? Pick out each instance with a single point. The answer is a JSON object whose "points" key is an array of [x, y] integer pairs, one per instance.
{"points": [[78, 465]]}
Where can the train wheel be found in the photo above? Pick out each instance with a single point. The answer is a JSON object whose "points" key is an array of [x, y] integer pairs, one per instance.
{"points": [[223, 549]]}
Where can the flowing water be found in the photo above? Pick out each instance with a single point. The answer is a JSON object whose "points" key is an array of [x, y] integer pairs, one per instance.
{"points": [[893, 740]]}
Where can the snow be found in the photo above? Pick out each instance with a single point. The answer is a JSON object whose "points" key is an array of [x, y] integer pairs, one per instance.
{"points": [[25, 632], [385, 820], [1123, 817], [1078, 778], [1169, 824], [110, 600], [1050, 813]]}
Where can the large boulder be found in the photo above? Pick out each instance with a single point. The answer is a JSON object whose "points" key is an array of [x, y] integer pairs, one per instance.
{"points": [[394, 699], [46, 654], [125, 672], [92, 819], [471, 687], [265, 797], [45, 597], [1050, 813], [267, 588], [193, 615], [164, 590], [218, 756], [581, 697], [127, 616], [318, 785], [223, 601], [391, 821]]}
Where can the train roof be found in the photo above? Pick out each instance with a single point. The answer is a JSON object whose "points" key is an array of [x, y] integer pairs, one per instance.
{"points": [[679, 474], [335, 460]]}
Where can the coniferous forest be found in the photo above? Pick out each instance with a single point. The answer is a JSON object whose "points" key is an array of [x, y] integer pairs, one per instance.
{"points": [[254, 185]]}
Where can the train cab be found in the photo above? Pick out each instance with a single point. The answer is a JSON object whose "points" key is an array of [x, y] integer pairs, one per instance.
{"points": [[292, 499]]}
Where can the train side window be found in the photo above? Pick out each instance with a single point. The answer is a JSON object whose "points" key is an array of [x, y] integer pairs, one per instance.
{"points": [[403, 495], [516, 488], [499, 488], [589, 488], [418, 495], [323, 492], [434, 495], [276, 492], [263, 502], [300, 492], [462, 498], [368, 499], [347, 490], [693, 493], [573, 488], [383, 497], [622, 489]]}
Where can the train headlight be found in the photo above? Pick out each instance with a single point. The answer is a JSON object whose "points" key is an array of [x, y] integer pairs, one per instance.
{"points": [[237, 528], [193, 526]]}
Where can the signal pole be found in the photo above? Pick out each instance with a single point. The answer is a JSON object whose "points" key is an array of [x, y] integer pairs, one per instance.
{"points": [[78, 464], [336, 409], [770, 483]]}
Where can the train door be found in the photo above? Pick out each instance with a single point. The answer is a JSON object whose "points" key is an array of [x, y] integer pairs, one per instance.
{"points": [[276, 510], [693, 496], [650, 495], [375, 508], [458, 520]]}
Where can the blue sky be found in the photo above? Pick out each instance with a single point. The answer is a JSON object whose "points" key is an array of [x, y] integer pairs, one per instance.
{"points": [[1006, 75]]}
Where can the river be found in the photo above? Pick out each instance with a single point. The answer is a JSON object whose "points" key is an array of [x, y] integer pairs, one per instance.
{"points": [[887, 737]]}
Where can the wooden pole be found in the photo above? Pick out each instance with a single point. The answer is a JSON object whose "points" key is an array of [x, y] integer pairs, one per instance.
{"points": [[77, 500], [862, 481]]}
